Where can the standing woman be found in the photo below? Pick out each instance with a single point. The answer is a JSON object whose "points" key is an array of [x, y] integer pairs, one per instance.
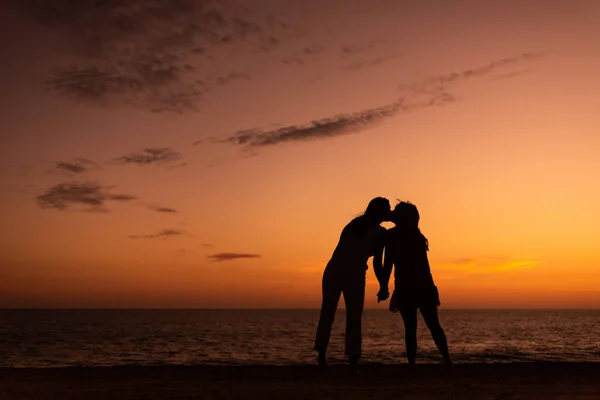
{"points": [[346, 273], [406, 249]]}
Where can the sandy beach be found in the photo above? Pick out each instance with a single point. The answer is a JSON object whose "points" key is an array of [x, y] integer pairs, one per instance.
{"points": [[469, 381]]}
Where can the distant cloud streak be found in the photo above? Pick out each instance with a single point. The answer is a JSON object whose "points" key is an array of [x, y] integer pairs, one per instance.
{"points": [[441, 82], [121, 197], [151, 155], [162, 209], [330, 127], [90, 195], [164, 234], [220, 257], [71, 167], [77, 166]]}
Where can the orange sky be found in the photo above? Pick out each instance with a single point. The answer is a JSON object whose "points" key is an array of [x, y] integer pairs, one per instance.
{"points": [[483, 115]]}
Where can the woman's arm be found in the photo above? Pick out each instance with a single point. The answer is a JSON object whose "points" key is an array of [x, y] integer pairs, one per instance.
{"points": [[384, 278], [379, 266], [388, 264], [378, 256]]}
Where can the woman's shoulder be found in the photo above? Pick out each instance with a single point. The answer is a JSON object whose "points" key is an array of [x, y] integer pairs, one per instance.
{"points": [[356, 226]]}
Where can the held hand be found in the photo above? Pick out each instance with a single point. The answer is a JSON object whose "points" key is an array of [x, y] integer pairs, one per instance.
{"points": [[383, 294]]}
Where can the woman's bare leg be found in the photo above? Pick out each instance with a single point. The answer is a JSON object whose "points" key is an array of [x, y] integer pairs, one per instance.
{"points": [[430, 315], [409, 317]]}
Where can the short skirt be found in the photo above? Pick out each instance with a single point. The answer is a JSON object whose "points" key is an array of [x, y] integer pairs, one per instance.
{"points": [[414, 298]]}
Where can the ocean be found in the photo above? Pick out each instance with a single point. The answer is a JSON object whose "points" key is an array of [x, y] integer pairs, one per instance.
{"points": [[59, 338]]}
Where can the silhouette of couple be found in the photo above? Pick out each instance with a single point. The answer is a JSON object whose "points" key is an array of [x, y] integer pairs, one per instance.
{"points": [[406, 250]]}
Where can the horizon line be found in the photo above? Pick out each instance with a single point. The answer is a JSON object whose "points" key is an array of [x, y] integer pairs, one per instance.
{"points": [[281, 309]]}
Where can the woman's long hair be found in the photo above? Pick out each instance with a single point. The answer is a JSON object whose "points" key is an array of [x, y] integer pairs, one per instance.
{"points": [[406, 218], [377, 207], [376, 210]]}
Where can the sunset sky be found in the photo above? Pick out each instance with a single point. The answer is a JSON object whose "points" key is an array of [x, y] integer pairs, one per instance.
{"points": [[207, 154]]}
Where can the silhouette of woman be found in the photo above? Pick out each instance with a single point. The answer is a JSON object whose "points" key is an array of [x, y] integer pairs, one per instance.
{"points": [[346, 273], [406, 249]]}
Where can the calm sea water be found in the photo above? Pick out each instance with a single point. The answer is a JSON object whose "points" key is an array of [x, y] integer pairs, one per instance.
{"points": [[282, 337]]}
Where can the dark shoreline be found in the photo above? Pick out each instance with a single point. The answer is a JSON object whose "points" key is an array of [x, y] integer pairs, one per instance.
{"points": [[270, 371], [317, 309], [536, 380], [338, 364], [374, 371]]}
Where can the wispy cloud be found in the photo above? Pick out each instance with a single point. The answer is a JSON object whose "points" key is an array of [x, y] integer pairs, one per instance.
{"points": [[121, 197], [169, 56], [90, 195], [439, 83], [152, 54], [219, 257], [161, 209], [335, 126], [103, 85], [151, 155], [352, 56], [77, 166], [71, 167], [164, 234], [429, 92]]}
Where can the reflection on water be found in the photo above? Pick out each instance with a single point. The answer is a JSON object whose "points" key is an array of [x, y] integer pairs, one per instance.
{"points": [[150, 337]]}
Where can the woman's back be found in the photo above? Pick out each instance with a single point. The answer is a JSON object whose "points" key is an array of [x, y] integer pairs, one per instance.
{"points": [[357, 243], [407, 249]]}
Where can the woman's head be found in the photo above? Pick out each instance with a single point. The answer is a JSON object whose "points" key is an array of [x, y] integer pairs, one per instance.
{"points": [[405, 214], [378, 210]]}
